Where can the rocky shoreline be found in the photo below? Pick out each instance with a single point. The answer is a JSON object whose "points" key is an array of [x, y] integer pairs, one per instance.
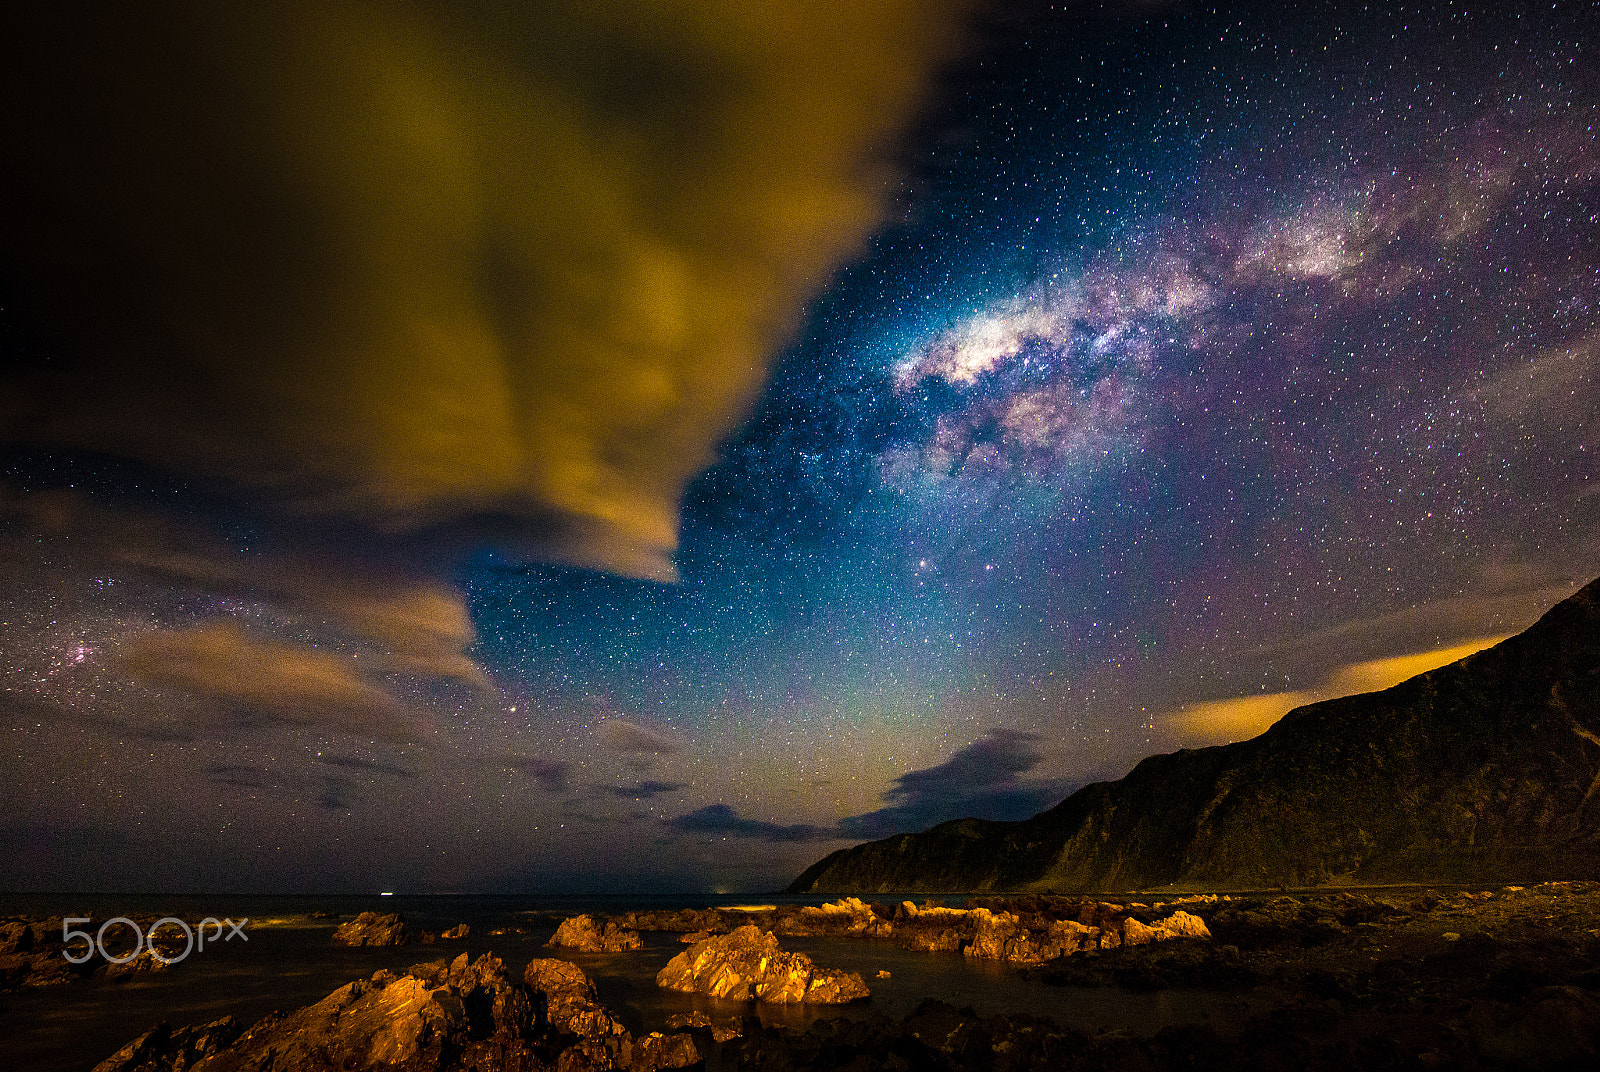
{"points": [[1483, 979]]}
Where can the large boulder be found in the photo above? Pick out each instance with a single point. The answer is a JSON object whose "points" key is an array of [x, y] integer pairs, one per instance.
{"points": [[564, 998], [444, 1016], [372, 928], [580, 933], [749, 963]]}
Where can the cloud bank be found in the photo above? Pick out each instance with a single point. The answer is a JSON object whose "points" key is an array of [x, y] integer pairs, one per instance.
{"points": [[475, 269]]}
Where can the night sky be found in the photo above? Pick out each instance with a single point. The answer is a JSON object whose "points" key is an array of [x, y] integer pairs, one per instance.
{"points": [[648, 446]]}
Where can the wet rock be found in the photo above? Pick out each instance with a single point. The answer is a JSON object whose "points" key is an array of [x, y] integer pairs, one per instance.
{"points": [[372, 929], [459, 932], [581, 934], [749, 963]]}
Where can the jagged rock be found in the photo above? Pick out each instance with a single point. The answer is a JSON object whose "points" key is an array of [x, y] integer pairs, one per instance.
{"points": [[720, 1031], [1002, 936], [581, 933], [1476, 772], [143, 964], [15, 937], [849, 916], [442, 1016], [161, 1049], [457, 933], [646, 1053], [565, 999], [685, 920], [372, 929], [437, 1016], [749, 963]]}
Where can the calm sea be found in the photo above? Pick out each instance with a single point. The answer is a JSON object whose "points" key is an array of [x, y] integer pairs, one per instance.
{"points": [[289, 961]]}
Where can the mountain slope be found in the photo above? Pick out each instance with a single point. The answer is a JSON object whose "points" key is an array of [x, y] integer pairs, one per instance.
{"points": [[1484, 770]]}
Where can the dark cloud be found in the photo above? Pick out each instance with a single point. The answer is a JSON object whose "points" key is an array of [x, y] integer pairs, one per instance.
{"points": [[444, 268], [551, 774], [357, 764], [330, 792], [980, 781], [723, 820], [645, 788]]}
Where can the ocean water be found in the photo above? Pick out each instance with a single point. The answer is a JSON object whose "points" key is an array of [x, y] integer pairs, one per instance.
{"points": [[290, 961]]}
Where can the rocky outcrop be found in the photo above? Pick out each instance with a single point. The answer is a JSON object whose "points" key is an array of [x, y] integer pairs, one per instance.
{"points": [[460, 932], [566, 999], [583, 935], [32, 955], [372, 929], [1005, 936], [165, 1049], [439, 1017], [749, 963], [1480, 771]]}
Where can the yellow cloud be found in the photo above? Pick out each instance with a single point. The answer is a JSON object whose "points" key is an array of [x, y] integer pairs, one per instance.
{"points": [[1243, 717], [252, 678], [1379, 674], [1237, 719], [441, 263]]}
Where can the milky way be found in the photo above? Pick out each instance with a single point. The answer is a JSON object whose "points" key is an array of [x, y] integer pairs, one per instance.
{"points": [[1210, 362]]}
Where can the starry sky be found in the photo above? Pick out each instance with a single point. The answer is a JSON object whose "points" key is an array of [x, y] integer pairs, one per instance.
{"points": [[646, 445]]}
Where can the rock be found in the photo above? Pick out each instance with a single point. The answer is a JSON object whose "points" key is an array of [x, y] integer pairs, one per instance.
{"points": [[15, 937], [457, 933], [143, 964], [162, 1049], [580, 933], [647, 1053], [372, 929], [721, 1032], [749, 963], [565, 999], [441, 1016], [850, 916]]}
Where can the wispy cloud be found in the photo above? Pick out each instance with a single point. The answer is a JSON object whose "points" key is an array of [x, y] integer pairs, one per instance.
{"points": [[1241, 717]]}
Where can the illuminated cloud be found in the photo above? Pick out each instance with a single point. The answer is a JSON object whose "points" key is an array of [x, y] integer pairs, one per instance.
{"points": [[471, 270], [257, 679], [621, 735], [1243, 717]]}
